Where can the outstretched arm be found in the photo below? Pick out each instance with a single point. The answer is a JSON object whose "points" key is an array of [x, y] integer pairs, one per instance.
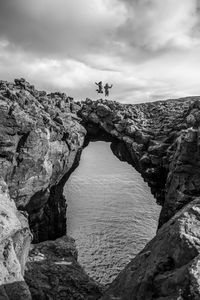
{"points": [[110, 86]]}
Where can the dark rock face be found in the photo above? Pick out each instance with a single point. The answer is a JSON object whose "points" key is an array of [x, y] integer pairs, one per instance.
{"points": [[15, 290], [53, 273], [41, 139], [52, 224]]}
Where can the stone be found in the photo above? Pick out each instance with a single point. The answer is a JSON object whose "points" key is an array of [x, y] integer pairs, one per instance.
{"points": [[103, 110], [42, 93], [120, 126], [53, 272], [155, 160], [145, 160], [131, 130], [158, 149], [94, 118], [191, 120], [15, 238]]}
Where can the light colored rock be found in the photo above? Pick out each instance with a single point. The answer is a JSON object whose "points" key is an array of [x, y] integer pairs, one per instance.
{"points": [[191, 120], [15, 238], [131, 130]]}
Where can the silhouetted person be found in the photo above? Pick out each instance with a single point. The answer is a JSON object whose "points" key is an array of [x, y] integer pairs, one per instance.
{"points": [[106, 88], [100, 87]]}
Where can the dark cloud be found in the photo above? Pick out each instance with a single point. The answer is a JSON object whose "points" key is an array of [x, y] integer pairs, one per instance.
{"points": [[134, 29], [147, 48], [57, 28]]}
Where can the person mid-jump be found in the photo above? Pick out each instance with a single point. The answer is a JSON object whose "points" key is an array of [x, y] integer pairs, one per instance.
{"points": [[106, 88], [100, 87]]}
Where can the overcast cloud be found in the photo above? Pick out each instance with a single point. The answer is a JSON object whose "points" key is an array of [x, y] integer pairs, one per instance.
{"points": [[148, 49]]}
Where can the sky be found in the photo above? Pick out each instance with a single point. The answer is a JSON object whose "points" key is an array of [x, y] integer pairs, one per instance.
{"points": [[148, 49]]}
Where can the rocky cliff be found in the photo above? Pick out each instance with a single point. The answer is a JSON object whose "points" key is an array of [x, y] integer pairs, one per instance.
{"points": [[41, 139]]}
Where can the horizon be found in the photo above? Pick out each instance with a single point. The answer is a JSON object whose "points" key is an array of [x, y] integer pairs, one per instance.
{"points": [[149, 50], [190, 97]]}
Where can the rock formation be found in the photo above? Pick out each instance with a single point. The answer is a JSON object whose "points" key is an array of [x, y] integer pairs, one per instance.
{"points": [[42, 136], [15, 238], [53, 272], [41, 140], [150, 137], [40, 144], [168, 267]]}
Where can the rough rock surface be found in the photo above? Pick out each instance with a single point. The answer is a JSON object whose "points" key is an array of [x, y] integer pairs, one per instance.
{"points": [[53, 273], [40, 144], [162, 141], [41, 139], [150, 137], [15, 238], [168, 268]]}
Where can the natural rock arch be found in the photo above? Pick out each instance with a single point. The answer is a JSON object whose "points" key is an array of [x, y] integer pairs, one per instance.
{"points": [[42, 136], [168, 159], [147, 136]]}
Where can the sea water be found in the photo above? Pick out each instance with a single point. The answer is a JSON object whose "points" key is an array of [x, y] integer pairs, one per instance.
{"points": [[111, 213]]}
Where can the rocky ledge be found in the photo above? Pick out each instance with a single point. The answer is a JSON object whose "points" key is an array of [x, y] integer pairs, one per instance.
{"points": [[42, 136], [52, 272]]}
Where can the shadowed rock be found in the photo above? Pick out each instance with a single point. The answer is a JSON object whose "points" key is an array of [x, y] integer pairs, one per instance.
{"points": [[15, 291], [53, 273]]}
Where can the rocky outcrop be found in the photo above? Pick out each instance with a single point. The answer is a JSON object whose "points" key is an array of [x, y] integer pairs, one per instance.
{"points": [[40, 145], [41, 139], [53, 273]]}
